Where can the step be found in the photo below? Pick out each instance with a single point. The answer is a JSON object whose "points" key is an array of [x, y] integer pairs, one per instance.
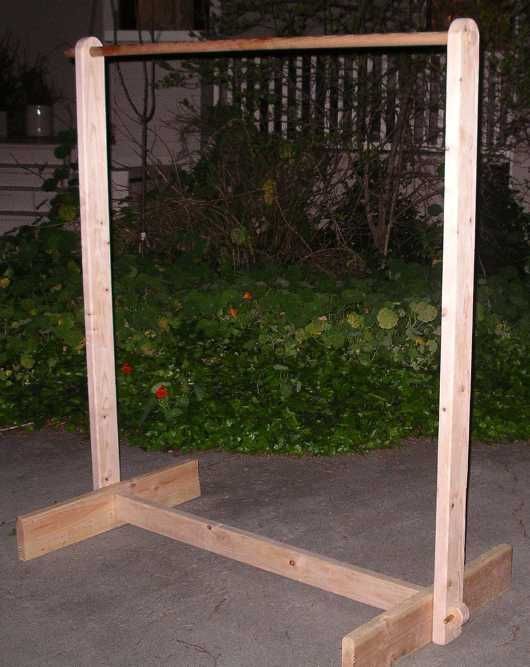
{"points": [[24, 175], [10, 220], [28, 154], [21, 188], [33, 199]]}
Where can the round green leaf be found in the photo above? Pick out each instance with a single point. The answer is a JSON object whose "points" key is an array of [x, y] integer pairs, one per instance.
{"points": [[315, 328], [26, 361], [387, 318], [355, 320], [425, 312]]}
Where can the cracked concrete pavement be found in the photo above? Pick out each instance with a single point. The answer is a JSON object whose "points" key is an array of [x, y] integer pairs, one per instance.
{"points": [[131, 598]]}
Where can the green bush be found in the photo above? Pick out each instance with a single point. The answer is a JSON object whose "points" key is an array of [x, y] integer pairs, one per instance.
{"points": [[503, 225], [272, 360], [249, 198]]}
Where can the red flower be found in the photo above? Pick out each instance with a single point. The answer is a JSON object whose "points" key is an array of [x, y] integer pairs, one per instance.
{"points": [[127, 369], [232, 312], [161, 392]]}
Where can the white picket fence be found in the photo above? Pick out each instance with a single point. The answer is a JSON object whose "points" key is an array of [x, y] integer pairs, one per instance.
{"points": [[353, 95]]}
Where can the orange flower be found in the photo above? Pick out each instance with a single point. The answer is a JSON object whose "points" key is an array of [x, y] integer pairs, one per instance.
{"points": [[232, 312], [247, 296], [161, 392]]}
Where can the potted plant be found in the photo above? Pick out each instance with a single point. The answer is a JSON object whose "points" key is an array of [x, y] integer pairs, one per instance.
{"points": [[39, 98], [10, 88]]}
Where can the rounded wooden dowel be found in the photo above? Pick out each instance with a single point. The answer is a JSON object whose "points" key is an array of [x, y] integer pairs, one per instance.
{"points": [[377, 40]]}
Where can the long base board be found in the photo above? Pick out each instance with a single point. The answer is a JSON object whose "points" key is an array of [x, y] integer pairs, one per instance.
{"points": [[146, 502]]}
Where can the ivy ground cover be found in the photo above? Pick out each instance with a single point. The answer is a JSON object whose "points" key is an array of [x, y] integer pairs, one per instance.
{"points": [[272, 360]]}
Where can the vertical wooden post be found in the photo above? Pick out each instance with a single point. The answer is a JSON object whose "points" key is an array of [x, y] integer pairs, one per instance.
{"points": [[95, 238], [449, 611]]}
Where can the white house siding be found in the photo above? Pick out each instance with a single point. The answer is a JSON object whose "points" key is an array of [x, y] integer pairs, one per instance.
{"points": [[164, 142]]}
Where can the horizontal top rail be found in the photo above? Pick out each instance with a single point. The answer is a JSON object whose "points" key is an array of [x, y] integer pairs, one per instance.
{"points": [[244, 44]]}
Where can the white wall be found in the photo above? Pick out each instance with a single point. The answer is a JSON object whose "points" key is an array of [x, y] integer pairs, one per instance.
{"points": [[164, 142]]}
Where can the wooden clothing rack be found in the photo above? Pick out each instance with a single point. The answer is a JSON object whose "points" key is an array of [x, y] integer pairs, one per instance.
{"points": [[413, 615]]}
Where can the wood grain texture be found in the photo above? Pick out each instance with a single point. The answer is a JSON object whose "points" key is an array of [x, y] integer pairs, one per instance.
{"points": [[408, 627], [375, 40], [457, 324], [97, 284], [330, 575], [77, 519]]}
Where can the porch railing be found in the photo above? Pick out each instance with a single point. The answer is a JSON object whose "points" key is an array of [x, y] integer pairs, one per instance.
{"points": [[356, 96]]}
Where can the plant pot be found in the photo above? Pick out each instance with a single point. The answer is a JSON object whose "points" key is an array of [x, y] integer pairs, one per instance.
{"points": [[39, 120], [3, 124]]}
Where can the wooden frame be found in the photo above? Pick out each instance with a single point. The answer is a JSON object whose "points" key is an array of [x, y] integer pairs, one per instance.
{"points": [[413, 615]]}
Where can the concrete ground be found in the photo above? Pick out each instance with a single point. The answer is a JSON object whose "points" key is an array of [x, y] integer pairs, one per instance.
{"points": [[131, 598]]}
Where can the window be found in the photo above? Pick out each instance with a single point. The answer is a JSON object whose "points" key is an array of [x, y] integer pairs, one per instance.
{"points": [[163, 15], [163, 20]]}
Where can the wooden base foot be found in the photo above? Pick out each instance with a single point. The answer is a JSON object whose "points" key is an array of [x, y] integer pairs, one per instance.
{"points": [[408, 626], [75, 520]]}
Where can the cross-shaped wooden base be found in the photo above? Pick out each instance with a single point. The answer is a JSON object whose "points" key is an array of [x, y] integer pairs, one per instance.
{"points": [[147, 501]]}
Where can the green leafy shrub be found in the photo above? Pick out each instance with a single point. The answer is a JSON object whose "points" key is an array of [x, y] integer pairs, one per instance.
{"points": [[269, 360], [64, 181], [251, 197], [248, 199], [503, 225], [42, 361]]}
